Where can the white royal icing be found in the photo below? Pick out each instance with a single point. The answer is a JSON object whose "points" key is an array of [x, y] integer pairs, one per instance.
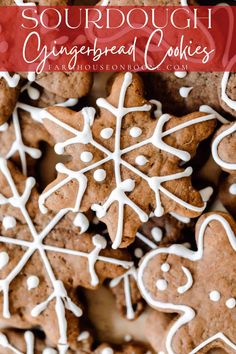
{"points": [[12, 81], [165, 267], [32, 282], [83, 336], [8, 222], [231, 303], [107, 350], [215, 296], [180, 74], [232, 189], [128, 300], [4, 127], [182, 289], [138, 252], [157, 233], [59, 293], [4, 259], [127, 338], [99, 175], [30, 345], [188, 313], [161, 284], [118, 194], [141, 160], [135, 132], [86, 156], [106, 133], [185, 91], [81, 221]]}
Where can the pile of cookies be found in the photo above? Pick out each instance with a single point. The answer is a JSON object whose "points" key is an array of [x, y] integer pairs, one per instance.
{"points": [[135, 193]]}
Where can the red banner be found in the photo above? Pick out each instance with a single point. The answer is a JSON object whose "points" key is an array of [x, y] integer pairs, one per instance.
{"points": [[79, 38]]}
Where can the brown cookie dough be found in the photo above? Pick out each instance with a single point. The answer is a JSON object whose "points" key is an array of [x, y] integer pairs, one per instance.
{"points": [[66, 84], [8, 98], [191, 284]]}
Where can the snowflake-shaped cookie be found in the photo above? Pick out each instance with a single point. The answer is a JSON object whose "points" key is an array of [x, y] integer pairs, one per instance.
{"points": [[197, 285], [43, 261], [124, 163]]}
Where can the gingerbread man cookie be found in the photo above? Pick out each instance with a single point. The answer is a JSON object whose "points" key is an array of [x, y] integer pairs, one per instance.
{"points": [[125, 163], [43, 260], [190, 284]]}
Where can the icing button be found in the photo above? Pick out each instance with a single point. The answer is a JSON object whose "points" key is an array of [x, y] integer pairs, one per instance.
{"points": [[161, 284], [215, 296], [165, 267], [99, 175], [135, 132], [231, 303]]}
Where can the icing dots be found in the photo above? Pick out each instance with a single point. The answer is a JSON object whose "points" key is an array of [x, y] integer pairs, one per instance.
{"points": [[180, 74], [83, 336], [161, 284], [107, 350], [86, 156], [4, 127], [81, 221], [32, 282], [157, 234], [165, 267], [135, 132], [138, 252], [99, 175], [141, 160], [8, 222], [106, 133], [231, 303], [232, 189], [127, 338], [185, 91], [4, 259]]}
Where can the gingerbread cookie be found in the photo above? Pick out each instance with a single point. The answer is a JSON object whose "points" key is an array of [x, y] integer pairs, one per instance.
{"points": [[157, 232], [223, 152], [185, 282], [43, 260], [188, 91], [145, 179]]}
